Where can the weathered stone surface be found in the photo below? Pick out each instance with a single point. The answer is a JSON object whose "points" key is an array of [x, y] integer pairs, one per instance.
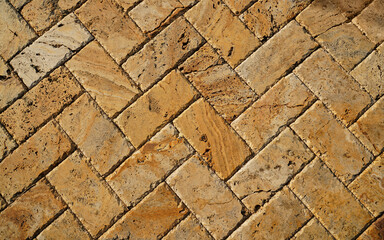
{"points": [[142, 171], [218, 83], [223, 30], [154, 109], [238, 5], [3, 203], [330, 201], [266, 117], [50, 50], [162, 53], [7, 144], [127, 4], [313, 230], [337, 146], [206, 196], [85, 193], [374, 232], [266, 173], [159, 212], [18, 3], [10, 86], [95, 135], [44, 149], [207, 137], [64, 227], [15, 33], [281, 52], [102, 78], [28, 113], [29, 213], [279, 219], [266, 17], [333, 86], [116, 32], [188, 229]]}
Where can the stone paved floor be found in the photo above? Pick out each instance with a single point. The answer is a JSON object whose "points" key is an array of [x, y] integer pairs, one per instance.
{"points": [[187, 119]]}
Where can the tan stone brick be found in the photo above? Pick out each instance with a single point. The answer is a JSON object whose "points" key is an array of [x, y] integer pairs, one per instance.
{"points": [[94, 134], [207, 197], [333, 86], [10, 86], [15, 32], [338, 147], [64, 227], [374, 232], [18, 3], [266, 173], [266, 117], [313, 230], [7, 144], [218, 83], [28, 113], [187, 3], [116, 32], [44, 149], [265, 66], [330, 201], [85, 193], [127, 4], [223, 30], [162, 53], [29, 213], [142, 171], [155, 108], [238, 5], [188, 229], [102, 78], [279, 219], [151, 218], [266, 17], [217, 143]]}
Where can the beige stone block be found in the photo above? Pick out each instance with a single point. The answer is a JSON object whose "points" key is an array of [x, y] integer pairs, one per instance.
{"points": [[7, 144], [374, 232], [313, 230], [18, 3], [10, 86], [238, 5], [127, 4], [188, 229]]}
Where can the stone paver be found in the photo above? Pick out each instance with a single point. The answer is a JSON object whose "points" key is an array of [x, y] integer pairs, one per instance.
{"points": [[7, 144], [238, 5], [313, 230], [188, 229], [127, 4], [374, 232], [10, 86]]}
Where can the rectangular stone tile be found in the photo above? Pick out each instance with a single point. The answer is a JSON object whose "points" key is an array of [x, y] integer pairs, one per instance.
{"points": [[266, 173], [162, 53], [188, 229], [7, 144], [85, 193], [330, 201], [331, 141], [64, 227], [333, 86], [222, 30], [155, 108], [29, 213], [238, 5], [127, 4], [266, 117], [375, 231], [48, 98], [142, 171], [44, 149], [207, 197], [10, 86], [216, 142], [15, 32], [311, 231], [151, 218], [94, 134], [102, 78], [279, 219], [18, 3], [265, 66], [217, 82], [50, 50]]}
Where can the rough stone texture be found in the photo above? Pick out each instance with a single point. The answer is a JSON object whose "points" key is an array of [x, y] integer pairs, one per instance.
{"points": [[10, 86], [206, 137], [95, 135], [217, 82], [313, 230], [65, 227], [266, 117], [223, 30], [85, 193], [237, 5], [279, 219], [155, 108], [161, 54], [102, 78], [159, 212], [266, 173], [333, 86], [207, 197], [29, 213], [266, 17], [3, 203], [188, 229], [127, 4], [338, 147], [7, 144], [50, 50], [330, 201], [116, 32], [141, 172], [48, 98], [18, 3], [282, 51], [374, 232]]}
